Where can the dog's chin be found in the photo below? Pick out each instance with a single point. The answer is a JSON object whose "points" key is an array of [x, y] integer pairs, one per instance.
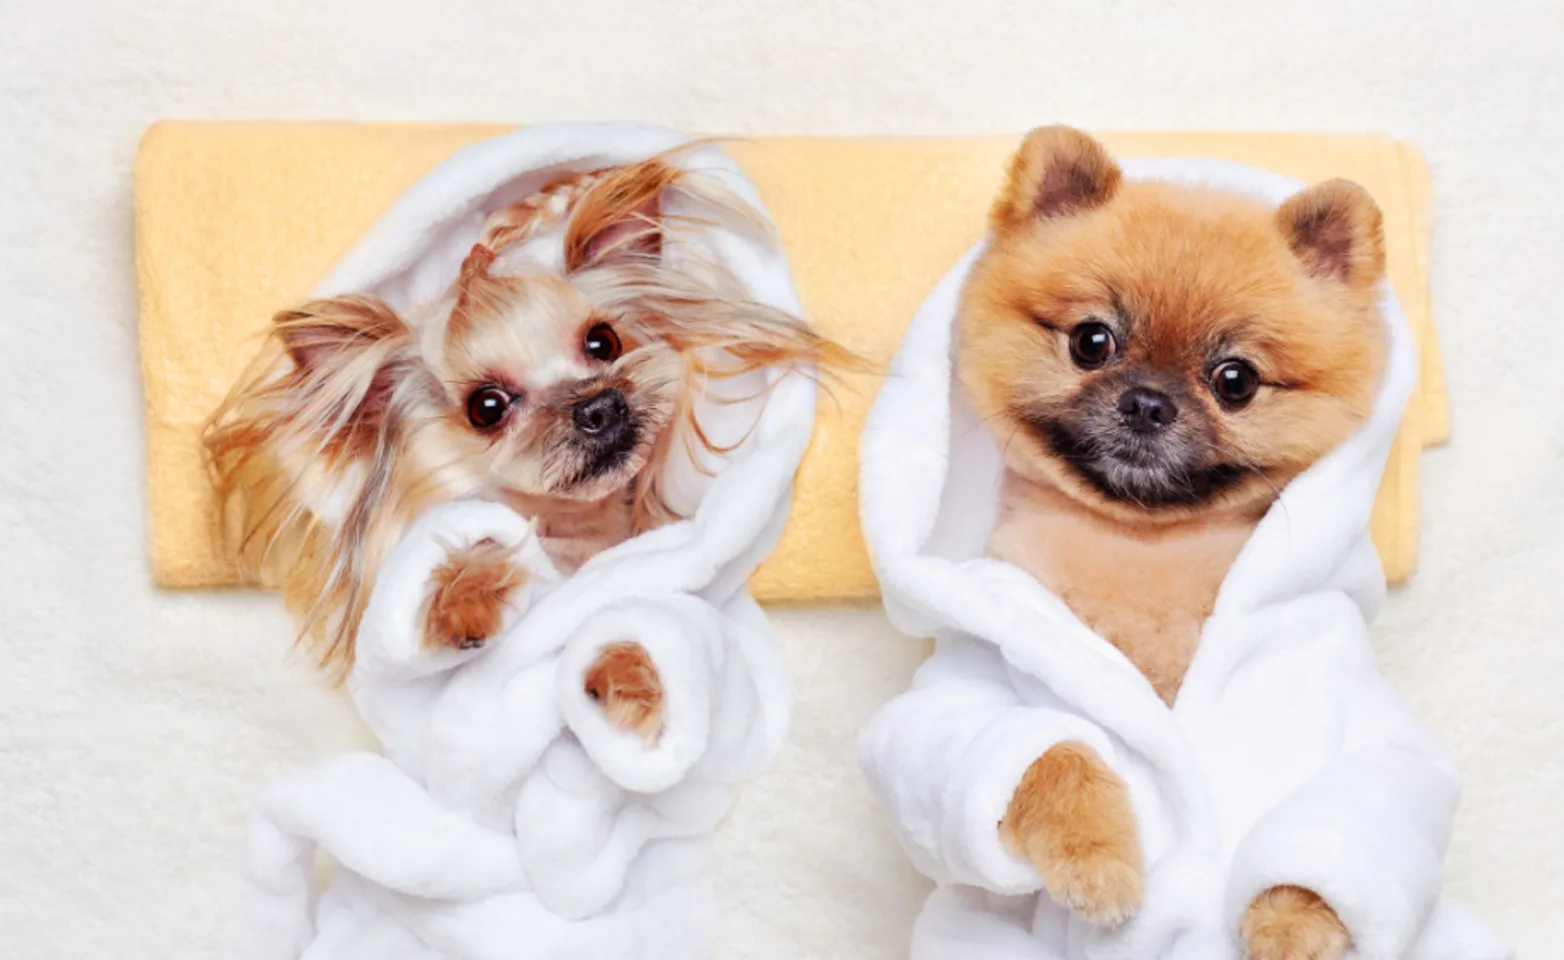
{"points": [[600, 469], [1129, 472], [1157, 488]]}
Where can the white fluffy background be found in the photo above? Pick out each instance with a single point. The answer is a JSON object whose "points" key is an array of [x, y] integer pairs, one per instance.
{"points": [[135, 725]]}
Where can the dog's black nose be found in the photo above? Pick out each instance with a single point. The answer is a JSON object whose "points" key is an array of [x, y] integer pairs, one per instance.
{"points": [[603, 415], [1147, 411]]}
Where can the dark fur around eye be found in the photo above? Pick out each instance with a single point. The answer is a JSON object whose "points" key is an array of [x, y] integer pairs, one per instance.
{"points": [[602, 343], [488, 405], [1092, 344], [1234, 382]]}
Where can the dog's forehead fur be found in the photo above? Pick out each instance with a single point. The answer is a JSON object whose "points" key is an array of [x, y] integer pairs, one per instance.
{"points": [[529, 340], [1177, 265]]}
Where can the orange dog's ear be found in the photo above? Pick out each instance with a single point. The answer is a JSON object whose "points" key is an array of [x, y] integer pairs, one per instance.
{"points": [[1336, 229], [1059, 171]]}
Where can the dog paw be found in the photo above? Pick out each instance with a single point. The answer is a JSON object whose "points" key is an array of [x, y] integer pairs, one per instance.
{"points": [[624, 682], [1071, 817], [1102, 887], [468, 594], [1291, 923]]}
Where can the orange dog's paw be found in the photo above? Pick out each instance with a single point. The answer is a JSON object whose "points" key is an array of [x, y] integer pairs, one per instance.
{"points": [[1071, 817], [1291, 923], [468, 593], [624, 681]]}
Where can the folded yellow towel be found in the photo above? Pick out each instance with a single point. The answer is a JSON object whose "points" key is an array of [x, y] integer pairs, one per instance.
{"points": [[234, 220]]}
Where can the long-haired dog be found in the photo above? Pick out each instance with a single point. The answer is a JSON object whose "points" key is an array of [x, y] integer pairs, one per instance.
{"points": [[1157, 362], [560, 384]]}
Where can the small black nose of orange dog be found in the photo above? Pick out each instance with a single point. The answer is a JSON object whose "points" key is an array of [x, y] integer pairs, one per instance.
{"points": [[602, 416], [1147, 411]]}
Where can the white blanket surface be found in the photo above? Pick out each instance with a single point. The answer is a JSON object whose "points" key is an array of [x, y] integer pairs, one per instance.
{"points": [[1286, 758], [507, 818]]}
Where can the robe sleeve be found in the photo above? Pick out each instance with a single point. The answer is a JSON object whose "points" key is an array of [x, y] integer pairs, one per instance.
{"points": [[683, 639], [389, 644], [374, 820], [600, 795], [1368, 833], [945, 759]]}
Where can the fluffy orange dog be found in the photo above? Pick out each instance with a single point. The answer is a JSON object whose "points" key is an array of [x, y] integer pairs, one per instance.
{"points": [[1157, 362]]}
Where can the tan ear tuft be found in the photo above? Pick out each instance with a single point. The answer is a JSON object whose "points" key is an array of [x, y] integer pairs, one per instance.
{"points": [[311, 424], [324, 331], [1336, 229], [1059, 171], [619, 219]]}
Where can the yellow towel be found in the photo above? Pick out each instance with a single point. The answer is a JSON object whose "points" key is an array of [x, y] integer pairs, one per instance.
{"points": [[234, 220]]}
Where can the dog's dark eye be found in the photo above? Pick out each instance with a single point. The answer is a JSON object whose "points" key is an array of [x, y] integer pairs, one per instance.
{"points": [[602, 343], [1092, 345], [487, 406], [1234, 382]]}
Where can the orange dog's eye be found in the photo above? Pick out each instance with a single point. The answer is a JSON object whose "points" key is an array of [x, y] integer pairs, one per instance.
{"points": [[602, 343], [1234, 382], [487, 406], [1092, 345]]}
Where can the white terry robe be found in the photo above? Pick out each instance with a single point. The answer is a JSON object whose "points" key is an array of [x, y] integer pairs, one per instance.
{"points": [[1286, 758], [507, 818]]}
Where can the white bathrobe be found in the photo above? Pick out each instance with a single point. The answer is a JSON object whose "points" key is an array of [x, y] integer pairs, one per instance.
{"points": [[507, 818], [1286, 758]]}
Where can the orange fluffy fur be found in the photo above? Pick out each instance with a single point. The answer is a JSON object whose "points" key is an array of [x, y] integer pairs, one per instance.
{"points": [[623, 679], [354, 420], [1291, 923], [1071, 817], [1185, 282]]}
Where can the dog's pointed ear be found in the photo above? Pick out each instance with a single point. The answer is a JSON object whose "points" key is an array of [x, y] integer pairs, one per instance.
{"points": [[620, 218], [1337, 231], [1058, 172], [335, 330], [349, 349], [636, 236]]}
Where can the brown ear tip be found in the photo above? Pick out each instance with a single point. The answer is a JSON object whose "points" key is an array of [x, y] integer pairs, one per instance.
{"points": [[1344, 186], [1060, 142], [1349, 193], [1339, 194], [1061, 134]]}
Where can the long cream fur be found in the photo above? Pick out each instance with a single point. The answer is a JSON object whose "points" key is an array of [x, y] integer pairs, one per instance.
{"points": [[344, 429]]}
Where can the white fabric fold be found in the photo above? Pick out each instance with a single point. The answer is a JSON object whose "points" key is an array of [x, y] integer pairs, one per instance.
{"points": [[1286, 758], [507, 818]]}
